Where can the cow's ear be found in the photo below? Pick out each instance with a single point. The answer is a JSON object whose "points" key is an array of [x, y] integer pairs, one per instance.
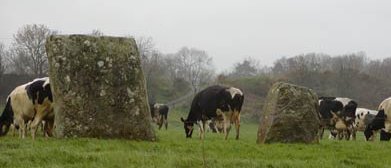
{"points": [[182, 119]]}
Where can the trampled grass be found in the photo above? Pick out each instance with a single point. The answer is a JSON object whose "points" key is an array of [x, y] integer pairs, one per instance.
{"points": [[174, 150]]}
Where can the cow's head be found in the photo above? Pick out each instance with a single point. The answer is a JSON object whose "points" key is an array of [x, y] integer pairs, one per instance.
{"points": [[368, 132], [4, 126], [6, 118], [189, 126]]}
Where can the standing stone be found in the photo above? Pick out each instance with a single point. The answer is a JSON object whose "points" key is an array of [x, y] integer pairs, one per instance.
{"points": [[290, 115], [98, 88]]}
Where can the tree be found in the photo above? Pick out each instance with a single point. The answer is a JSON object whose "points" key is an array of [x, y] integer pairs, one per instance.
{"points": [[193, 65], [2, 60], [28, 52], [97, 33], [247, 68], [150, 61]]}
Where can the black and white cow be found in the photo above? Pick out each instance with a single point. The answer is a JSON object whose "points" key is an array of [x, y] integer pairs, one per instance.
{"points": [[382, 122], [210, 102], [337, 114], [364, 116], [159, 114], [29, 102]]}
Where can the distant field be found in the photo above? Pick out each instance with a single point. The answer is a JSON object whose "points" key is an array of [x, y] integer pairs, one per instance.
{"points": [[174, 150]]}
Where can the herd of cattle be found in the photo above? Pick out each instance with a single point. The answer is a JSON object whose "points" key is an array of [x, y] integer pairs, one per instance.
{"points": [[215, 108]]}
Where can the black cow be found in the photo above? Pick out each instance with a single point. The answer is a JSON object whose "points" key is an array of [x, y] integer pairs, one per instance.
{"points": [[337, 114], [381, 122], [29, 102], [209, 102], [159, 114]]}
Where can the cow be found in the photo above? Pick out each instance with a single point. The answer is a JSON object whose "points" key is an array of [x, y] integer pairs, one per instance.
{"points": [[363, 118], [337, 114], [29, 102], [382, 122], [159, 114], [208, 103]]}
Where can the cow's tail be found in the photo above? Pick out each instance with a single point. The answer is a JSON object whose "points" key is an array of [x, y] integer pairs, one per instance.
{"points": [[6, 118]]}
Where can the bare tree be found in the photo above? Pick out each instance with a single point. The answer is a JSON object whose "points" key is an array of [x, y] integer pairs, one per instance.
{"points": [[146, 47], [151, 61], [97, 33], [195, 66], [2, 60], [28, 51]]}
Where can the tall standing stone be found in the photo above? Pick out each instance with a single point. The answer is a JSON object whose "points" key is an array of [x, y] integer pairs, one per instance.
{"points": [[98, 88], [289, 115]]}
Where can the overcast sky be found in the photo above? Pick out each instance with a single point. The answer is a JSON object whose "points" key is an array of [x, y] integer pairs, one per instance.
{"points": [[229, 30]]}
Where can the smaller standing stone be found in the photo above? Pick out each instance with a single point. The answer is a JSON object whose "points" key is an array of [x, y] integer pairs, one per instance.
{"points": [[290, 115]]}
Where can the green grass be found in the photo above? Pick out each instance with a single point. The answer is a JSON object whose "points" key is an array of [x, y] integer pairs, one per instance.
{"points": [[174, 150]]}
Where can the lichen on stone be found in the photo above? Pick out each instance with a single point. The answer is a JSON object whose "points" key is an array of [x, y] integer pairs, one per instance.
{"points": [[290, 115], [97, 99]]}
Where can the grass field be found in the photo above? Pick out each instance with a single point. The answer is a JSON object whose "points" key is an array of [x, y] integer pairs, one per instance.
{"points": [[174, 150]]}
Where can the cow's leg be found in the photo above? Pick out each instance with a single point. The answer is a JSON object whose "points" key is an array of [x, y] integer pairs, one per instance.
{"points": [[165, 121], [34, 125], [237, 123], [13, 130], [160, 121], [201, 124], [41, 111], [48, 128], [215, 127], [321, 131], [203, 129], [43, 125], [351, 133], [227, 124], [341, 134], [347, 134], [22, 127]]}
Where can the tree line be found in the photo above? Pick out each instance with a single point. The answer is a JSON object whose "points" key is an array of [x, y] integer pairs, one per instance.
{"points": [[171, 75], [168, 76]]}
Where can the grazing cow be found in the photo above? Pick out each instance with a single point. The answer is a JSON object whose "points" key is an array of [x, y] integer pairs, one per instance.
{"points": [[337, 114], [210, 102], [363, 118], [159, 114], [31, 101], [382, 122]]}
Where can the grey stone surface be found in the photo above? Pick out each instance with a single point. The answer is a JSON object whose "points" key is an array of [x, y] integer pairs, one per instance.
{"points": [[290, 115], [98, 88]]}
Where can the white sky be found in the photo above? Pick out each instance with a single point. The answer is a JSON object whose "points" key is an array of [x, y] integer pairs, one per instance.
{"points": [[229, 30]]}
